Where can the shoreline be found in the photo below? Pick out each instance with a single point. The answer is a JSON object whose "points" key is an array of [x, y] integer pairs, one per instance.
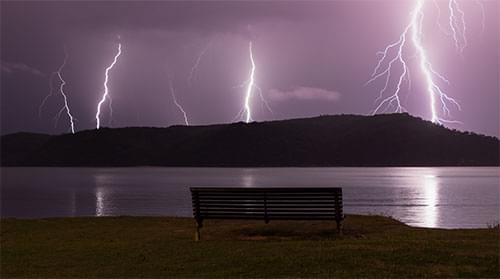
{"points": [[49, 218]]}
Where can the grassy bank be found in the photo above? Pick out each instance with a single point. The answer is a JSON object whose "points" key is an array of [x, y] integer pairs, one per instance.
{"points": [[163, 247]]}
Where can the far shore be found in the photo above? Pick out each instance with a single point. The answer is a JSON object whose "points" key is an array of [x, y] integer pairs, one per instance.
{"points": [[371, 246]]}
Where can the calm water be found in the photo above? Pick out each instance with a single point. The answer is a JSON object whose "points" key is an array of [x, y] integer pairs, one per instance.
{"points": [[429, 197]]}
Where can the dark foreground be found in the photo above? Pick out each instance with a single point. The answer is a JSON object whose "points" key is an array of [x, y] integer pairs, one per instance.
{"points": [[372, 246]]}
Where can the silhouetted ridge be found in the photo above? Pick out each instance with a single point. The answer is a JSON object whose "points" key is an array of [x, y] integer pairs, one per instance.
{"points": [[340, 140]]}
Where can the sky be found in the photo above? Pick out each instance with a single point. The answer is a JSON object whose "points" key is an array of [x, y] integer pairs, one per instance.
{"points": [[311, 58]]}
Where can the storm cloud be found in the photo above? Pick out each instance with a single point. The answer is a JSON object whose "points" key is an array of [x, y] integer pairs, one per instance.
{"points": [[306, 52]]}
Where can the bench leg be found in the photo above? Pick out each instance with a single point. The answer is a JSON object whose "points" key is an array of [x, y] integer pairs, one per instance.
{"points": [[197, 235]]}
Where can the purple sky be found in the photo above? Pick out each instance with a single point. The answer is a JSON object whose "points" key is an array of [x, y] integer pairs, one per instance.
{"points": [[312, 58]]}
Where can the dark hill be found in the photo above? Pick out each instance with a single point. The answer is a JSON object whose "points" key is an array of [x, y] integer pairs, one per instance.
{"points": [[15, 147], [343, 140]]}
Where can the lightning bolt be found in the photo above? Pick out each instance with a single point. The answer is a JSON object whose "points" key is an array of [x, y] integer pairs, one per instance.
{"points": [[106, 89], [413, 34], [174, 98], [110, 107], [251, 81], [250, 86], [63, 94], [50, 94], [457, 25], [196, 64], [483, 15], [438, 21]]}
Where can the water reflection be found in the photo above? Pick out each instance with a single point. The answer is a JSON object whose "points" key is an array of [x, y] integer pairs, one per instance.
{"points": [[416, 199], [248, 178], [100, 205], [429, 186], [102, 192]]}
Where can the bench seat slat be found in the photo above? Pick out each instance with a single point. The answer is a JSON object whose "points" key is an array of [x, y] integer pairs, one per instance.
{"points": [[283, 214], [269, 207], [268, 199], [266, 189], [269, 211], [261, 217], [269, 203], [270, 194], [202, 194]]}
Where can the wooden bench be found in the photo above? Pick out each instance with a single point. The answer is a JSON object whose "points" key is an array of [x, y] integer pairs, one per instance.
{"points": [[267, 204]]}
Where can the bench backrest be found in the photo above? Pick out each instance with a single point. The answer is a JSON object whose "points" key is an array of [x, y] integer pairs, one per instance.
{"points": [[267, 203]]}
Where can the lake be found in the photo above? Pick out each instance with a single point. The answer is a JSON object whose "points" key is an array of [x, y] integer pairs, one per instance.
{"points": [[441, 197]]}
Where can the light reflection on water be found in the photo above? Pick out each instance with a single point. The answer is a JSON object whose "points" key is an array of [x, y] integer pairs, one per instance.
{"points": [[248, 179], [103, 194], [100, 207], [430, 193], [429, 197]]}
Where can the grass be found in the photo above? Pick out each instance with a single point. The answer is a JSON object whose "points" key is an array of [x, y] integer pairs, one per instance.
{"points": [[372, 246]]}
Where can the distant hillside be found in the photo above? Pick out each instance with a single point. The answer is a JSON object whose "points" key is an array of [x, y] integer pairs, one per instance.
{"points": [[15, 147], [342, 140]]}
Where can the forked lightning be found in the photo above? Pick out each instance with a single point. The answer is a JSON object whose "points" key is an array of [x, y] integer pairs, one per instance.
{"points": [[395, 56], [105, 95]]}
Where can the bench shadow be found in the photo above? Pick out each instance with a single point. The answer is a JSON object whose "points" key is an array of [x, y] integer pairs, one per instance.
{"points": [[355, 227], [277, 230], [284, 234]]}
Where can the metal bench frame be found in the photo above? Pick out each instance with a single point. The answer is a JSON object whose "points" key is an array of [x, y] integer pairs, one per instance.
{"points": [[280, 203]]}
